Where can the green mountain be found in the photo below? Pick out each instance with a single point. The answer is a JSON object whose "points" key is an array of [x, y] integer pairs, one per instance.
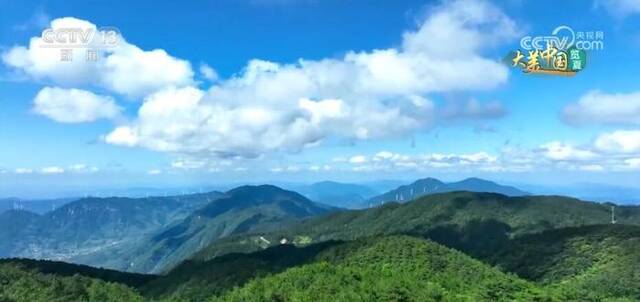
{"points": [[527, 248], [241, 210], [510, 232], [68, 270], [90, 225], [382, 268], [29, 281], [396, 268], [427, 186], [390, 269], [476, 223], [387, 268], [600, 259]]}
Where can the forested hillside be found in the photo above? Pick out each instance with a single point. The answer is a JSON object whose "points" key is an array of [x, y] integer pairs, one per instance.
{"points": [[24, 281], [458, 246], [477, 223], [238, 211]]}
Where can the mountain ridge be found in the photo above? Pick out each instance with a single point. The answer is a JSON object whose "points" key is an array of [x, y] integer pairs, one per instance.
{"points": [[430, 185], [239, 210]]}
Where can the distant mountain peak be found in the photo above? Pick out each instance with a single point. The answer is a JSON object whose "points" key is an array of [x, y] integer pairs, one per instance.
{"points": [[477, 180], [270, 192], [430, 185], [428, 181]]}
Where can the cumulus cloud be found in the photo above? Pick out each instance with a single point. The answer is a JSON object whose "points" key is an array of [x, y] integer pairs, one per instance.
{"points": [[125, 68], [390, 161], [596, 107], [74, 105], [609, 151], [564, 151], [621, 141], [208, 72], [363, 95]]}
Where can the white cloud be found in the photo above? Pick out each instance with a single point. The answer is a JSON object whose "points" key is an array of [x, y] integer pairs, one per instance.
{"points": [[23, 171], [188, 164], [383, 155], [293, 168], [363, 95], [621, 141], [611, 151], [596, 107], [208, 72], [358, 159], [389, 161], [592, 168], [74, 105], [52, 170], [154, 172], [122, 136], [563, 151], [124, 69], [633, 163], [82, 168]]}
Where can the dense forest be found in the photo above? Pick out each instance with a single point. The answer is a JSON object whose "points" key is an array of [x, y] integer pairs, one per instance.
{"points": [[457, 246]]}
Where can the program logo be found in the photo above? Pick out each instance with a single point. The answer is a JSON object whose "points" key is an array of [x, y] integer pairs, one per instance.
{"points": [[564, 37], [72, 40], [104, 37], [563, 52]]}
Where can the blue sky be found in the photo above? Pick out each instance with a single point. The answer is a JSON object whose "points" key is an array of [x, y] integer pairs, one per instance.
{"points": [[230, 91]]}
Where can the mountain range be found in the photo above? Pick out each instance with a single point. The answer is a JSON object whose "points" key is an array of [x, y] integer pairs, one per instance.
{"points": [[88, 225], [264, 243], [240, 210], [458, 245], [38, 206], [428, 186]]}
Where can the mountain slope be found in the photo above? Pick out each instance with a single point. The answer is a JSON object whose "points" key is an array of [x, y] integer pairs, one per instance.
{"points": [[23, 281], [474, 184], [68, 270], [602, 259], [13, 222], [89, 225], [241, 210], [560, 248], [38, 206], [428, 186], [397, 268], [455, 219]]}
